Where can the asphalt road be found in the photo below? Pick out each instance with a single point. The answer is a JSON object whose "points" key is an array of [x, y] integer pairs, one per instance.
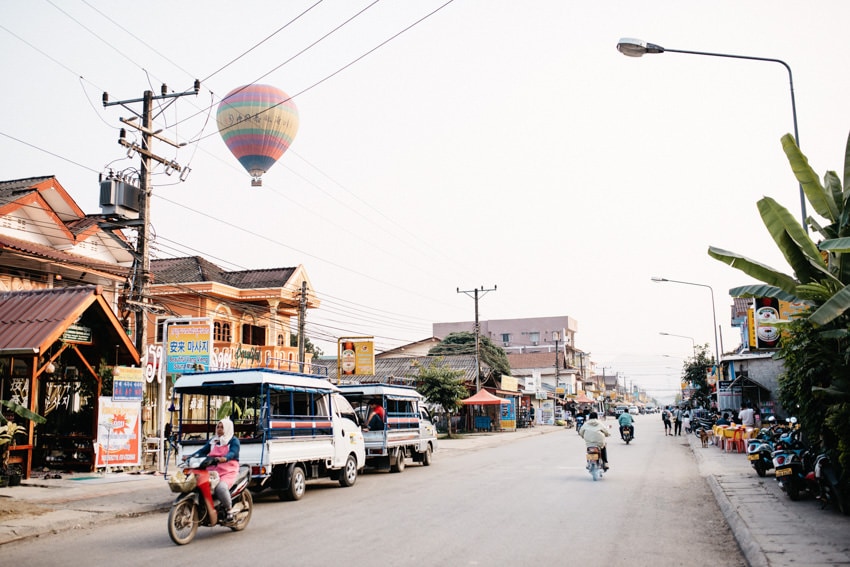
{"points": [[522, 502]]}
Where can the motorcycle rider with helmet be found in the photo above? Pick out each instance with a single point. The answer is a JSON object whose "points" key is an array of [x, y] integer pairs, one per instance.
{"points": [[594, 434]]}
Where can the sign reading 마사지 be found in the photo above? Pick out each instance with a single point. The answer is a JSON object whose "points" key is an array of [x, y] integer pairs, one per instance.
{"points": [[188, 348]]}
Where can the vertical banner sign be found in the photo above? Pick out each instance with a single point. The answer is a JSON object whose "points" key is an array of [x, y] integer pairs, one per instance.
{"points": [[766, 318], [188, 348], [348, 358], [118, 433], [128, 384], [364, 358]]}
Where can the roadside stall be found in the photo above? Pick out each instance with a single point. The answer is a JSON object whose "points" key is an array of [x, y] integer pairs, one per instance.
{"points": [[486, 411], [57, 347]]}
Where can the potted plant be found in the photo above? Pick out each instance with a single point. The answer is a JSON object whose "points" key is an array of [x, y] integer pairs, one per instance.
{"points": [[8, 431]]}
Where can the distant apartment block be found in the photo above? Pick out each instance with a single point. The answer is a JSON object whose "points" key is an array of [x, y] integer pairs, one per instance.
{"points": [[518, 336]]}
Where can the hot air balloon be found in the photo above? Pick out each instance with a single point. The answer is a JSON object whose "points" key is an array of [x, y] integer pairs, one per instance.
{"points": [[257, 123]]}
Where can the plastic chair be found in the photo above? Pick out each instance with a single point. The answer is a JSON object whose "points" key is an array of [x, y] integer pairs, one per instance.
{"points": [[736, 442]]}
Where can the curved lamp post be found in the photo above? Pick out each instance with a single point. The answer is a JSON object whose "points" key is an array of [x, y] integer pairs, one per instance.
{"points": [[713, 316], [693, 342], [632, 47]]}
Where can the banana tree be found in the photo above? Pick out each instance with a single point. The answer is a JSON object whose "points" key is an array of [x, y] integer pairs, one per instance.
{"points": [[821, 271]]}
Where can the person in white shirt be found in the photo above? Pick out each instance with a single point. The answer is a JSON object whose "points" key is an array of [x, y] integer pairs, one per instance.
{"points": [[746, 415]]}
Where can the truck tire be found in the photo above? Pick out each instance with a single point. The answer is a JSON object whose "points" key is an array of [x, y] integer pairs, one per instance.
{"points": [[297, 485], [398, 463], [426, 457], [348, 475]]}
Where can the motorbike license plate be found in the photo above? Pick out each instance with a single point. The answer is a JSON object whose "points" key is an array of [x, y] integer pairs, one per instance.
{"points": [[753, 457], [592, 457], [783, 472]]}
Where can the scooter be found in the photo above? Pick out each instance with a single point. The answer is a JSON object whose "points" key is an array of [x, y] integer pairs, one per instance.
{"points": [[827, 474], [195, 505], [628, 434], [793, 462], [579, 423], [594, 462]]}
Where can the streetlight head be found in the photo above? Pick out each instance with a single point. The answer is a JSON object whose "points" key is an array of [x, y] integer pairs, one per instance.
{"points": [[632, 47], [658, 279], [663, 333]]}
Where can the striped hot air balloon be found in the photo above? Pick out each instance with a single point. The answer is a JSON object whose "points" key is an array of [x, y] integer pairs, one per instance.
{"points": [[257, 123]]}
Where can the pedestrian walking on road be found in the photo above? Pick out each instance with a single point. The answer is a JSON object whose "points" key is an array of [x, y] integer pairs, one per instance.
{"points": [[678, 419], [665, 417]]}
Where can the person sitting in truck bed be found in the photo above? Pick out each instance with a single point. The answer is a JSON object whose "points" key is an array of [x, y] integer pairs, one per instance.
{"points": [[376, 420]]}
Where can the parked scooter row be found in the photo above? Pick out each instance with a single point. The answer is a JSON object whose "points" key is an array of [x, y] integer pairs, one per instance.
{"points": [[801, 470], [761, 447]]}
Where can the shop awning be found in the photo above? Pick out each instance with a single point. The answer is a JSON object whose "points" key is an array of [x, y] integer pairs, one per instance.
{"points": [[484, 398], [31, 321]]}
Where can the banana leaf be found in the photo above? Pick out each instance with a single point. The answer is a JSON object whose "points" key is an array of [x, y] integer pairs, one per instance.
{"points": [[762, 290], [20, 411], [755, 269], [834, 307], [815, 193]]}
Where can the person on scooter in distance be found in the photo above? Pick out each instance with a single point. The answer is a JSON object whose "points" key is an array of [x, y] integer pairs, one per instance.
{"points": [[224, 448], [594, 434], [624, 420]]}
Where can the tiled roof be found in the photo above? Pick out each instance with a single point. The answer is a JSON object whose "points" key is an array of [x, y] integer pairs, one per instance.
{"points": [[9, 188], [42, 251], [194, 269], [401, 369]]}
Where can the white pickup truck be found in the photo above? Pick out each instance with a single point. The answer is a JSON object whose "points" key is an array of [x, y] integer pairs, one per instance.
{"points": [[292, 427], [408, 430]]}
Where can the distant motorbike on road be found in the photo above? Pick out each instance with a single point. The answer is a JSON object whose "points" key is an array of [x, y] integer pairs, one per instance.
{"points": [[628, 434], [579, 423], [195, 506]]}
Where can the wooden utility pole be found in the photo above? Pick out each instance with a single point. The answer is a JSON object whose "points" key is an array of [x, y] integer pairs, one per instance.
{"points": [[477, 330], [138, 299]]}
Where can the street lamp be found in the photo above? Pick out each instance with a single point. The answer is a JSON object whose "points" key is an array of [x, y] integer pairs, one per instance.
{"points": [[713, 315], [693, 342], [632, 47]]}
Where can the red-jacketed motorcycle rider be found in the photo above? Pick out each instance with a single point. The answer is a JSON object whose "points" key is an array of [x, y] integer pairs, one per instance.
{"points": [[224, 448], [594, 434]]}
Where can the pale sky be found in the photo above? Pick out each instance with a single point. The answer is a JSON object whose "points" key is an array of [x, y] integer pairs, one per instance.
{"points": [[492, 143]]}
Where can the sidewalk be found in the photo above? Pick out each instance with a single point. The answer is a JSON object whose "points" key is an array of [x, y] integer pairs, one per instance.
{"points": [[771, 530]]}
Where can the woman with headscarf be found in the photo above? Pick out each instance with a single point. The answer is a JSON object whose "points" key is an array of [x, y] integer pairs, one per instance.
{"points": [[224, 448]]}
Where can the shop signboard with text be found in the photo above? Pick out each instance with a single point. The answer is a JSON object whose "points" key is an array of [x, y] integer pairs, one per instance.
{"points": [[119, 431]]}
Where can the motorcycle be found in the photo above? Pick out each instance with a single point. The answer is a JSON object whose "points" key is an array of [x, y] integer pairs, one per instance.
{"points": [[195, 506], [579, 423], [594, 462], [793, 462], [760, 448], [827, 474], [627, 434]]}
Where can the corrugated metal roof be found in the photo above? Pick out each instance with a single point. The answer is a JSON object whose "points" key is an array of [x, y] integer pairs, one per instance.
{"points": [[31, 321], [29, 318]]}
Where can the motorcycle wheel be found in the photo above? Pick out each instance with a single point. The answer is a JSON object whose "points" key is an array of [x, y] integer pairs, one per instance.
{"points": [[628, 440], [183, 521], [793, 491], [243, 515], [761, 470]]}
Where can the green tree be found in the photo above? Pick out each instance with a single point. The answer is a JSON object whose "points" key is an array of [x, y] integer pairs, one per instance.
{"points": [[463, 342], [816, 349], [308, 346], [695, 371], [442, 386]]}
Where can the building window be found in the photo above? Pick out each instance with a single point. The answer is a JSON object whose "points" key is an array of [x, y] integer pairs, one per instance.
{"points": [[280, 341], [534, 337], [506, 339], [221, 332], [253, 335]]}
